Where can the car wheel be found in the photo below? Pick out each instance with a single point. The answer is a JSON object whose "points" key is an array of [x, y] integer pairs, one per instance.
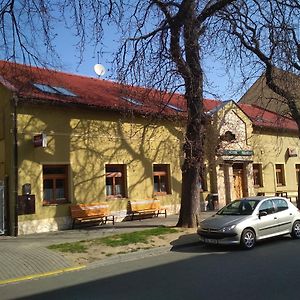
{"points": [[296, 230], [248, 239]]}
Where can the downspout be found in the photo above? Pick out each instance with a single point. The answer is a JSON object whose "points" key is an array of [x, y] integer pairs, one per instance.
{"points": [[15, 163]]}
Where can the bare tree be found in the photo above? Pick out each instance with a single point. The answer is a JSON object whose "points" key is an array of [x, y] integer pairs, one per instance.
{"points": [[266, 33]]}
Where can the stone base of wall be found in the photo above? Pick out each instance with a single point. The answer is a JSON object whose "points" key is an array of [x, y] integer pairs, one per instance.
{"points": [[44, 225], [63, 223]]}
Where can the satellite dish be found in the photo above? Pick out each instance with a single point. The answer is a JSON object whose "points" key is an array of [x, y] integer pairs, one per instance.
{"points": [[99, 69]]}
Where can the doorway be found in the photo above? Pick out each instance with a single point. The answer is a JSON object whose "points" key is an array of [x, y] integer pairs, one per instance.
{"points": [[238, 181]]}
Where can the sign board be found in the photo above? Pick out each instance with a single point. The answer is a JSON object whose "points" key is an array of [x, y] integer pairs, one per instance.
{"points": [[237, 152], [40, 140], [292, 152]]}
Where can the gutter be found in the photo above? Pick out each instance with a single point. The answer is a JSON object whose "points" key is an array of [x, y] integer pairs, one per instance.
{"points": [[15, 163]]}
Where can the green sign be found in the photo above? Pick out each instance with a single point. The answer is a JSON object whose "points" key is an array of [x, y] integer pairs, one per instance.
{"points": [[237, 152]]}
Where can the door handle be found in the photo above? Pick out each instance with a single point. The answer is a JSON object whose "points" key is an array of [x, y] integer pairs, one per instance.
{"points": [[275, 218]]}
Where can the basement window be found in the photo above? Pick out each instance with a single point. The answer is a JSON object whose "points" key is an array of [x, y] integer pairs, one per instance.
{"points": [[54, 89]]}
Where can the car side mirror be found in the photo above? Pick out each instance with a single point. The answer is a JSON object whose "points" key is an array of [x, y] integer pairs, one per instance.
{"points": [[262, 213]]}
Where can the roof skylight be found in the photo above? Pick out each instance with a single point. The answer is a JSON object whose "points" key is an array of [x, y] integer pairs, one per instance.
{"points": [[174, 107], [53, 89], [132, 101]]}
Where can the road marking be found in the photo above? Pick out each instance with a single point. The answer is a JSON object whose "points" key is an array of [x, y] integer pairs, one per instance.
{"points": [[40, 275]]}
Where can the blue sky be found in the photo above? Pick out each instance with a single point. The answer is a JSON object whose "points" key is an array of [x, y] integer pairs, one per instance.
{"points": [[220, 84]]}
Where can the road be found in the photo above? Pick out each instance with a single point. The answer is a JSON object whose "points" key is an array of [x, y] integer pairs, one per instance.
{"points": [[270, 271]]}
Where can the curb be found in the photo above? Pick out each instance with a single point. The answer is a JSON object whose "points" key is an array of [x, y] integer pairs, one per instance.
{"points": [[41, 275]]}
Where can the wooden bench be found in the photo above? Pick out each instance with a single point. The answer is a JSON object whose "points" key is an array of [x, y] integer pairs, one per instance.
{"points": [[91, 212], [146, 207]]}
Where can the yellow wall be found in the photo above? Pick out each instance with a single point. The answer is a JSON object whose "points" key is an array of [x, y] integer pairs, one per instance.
{"points": [[270, 148], [87, 140]]}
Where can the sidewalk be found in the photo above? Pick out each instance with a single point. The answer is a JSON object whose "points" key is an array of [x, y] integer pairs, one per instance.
{"points": [[27, 257]]}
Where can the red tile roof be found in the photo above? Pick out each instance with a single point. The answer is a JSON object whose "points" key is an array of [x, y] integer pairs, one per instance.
{"points": [[106, 94], [90, 91], [261, 117]]}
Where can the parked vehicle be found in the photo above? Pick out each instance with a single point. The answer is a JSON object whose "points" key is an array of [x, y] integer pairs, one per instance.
{"points": [[248, 220]]}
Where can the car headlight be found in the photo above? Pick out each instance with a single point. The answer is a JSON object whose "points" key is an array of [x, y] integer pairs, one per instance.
{"points": [[228, 228]]}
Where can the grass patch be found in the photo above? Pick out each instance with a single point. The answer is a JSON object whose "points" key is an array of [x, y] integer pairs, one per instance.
{"points": [[134, 237], [76, 247], [117, 240]]}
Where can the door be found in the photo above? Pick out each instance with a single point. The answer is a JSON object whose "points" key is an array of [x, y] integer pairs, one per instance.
{"points": [[238, 181], [267, 224]]}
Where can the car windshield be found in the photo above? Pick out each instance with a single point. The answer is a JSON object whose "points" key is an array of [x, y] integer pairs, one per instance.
{"points": [[239, 207]]}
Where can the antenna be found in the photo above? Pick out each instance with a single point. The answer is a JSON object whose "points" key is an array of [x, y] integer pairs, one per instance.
{"points": [[98, 68]]}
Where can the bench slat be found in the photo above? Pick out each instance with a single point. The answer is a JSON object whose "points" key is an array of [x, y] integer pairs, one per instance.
{"points": [[146, 207], [82, 212]]}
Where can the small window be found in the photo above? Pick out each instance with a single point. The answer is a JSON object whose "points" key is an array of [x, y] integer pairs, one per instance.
{"points": [[53, 89], [280, 178], [257, 175], [174, 107], [297, 173], [55, 184], [133, 101], [161, 179], [115, 181], [228, 136]]}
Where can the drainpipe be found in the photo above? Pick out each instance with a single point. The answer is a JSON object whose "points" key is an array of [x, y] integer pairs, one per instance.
{"points": [[15, 163]]}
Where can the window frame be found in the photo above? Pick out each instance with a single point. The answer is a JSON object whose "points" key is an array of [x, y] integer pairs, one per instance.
{"points": [[161, 174], [297, 169], [282, 177], [257, 173], [54, 177], [119, 172]]}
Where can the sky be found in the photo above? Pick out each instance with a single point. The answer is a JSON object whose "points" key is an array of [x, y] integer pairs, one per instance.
{"points": [[220, 84]]}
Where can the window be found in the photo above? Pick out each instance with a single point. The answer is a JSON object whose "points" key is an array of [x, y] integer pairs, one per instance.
{"points": [[257, 175], [280, 204], [53, 89], [228, 136], [297, 172], [267, 206], [115, 181], [174, 107], [280, 179], [132, 101], [161, 179], [55, 184]]}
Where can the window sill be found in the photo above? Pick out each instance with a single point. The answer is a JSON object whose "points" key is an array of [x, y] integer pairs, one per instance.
{"points": [[55, 204], [161, 194]]}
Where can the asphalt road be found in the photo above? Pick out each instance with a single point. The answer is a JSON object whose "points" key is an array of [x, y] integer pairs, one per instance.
{"points": [[270, 271]]}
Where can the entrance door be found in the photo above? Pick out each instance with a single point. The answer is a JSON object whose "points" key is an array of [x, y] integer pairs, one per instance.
{"points": [[238, 181]]}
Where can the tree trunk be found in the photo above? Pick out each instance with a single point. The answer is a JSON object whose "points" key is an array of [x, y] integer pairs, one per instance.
{"points": [[192, 169]]}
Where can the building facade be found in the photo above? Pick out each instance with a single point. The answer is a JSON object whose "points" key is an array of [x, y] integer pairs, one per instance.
{"points": [[67, 139]]}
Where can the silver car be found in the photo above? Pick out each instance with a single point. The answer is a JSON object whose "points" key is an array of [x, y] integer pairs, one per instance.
{"points": [[248, 220]]}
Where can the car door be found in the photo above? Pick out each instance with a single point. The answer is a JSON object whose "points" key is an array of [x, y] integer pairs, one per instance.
{"points": [[267, 224], [284, 215]]}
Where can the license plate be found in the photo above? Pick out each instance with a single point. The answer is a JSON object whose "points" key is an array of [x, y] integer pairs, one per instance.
{"points": [[211, 241]]}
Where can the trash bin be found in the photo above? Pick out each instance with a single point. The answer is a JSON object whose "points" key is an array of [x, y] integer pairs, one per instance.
{"points": [[215, 201]]}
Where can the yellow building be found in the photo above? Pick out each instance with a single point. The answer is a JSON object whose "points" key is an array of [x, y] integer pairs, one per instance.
{"points": [[69, 139]]}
